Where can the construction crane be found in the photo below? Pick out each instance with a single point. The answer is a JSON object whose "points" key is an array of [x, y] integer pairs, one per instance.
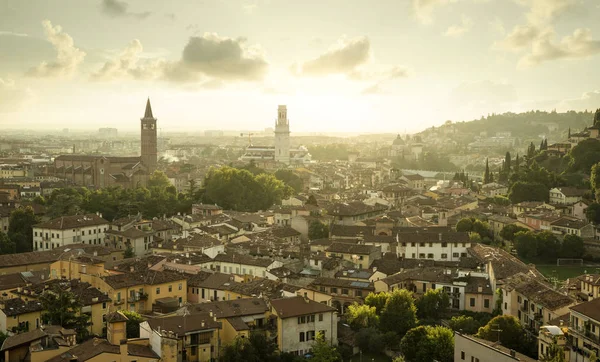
{"points": [[249, 137]]}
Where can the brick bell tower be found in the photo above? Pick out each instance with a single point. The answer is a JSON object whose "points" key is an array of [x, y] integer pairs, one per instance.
{"points": [[149, 143]]}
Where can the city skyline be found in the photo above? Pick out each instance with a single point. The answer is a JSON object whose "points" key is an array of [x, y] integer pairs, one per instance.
{"points": [[337, 66]]}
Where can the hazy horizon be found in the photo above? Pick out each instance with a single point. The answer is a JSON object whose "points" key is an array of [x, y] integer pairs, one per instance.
{"points": [[339, 66]]}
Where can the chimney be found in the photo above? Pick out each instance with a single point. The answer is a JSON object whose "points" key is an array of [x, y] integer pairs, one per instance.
{"points": [[561, 322], [374, 269], [202, 324], [131, 269], [479, 289], [513, 354], [95, 253], [440, 236], [123, 348]]}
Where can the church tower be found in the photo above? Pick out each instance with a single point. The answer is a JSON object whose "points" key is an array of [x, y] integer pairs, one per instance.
{"points": [[282, 136], [149, 148]]}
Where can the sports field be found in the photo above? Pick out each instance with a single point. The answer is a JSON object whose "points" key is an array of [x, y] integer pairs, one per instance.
{"points": [[564, 272]]}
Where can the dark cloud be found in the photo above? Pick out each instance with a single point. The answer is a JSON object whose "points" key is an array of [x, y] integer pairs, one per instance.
{"points": [[223, 58], [117, 8], [343, 59], [210, 59]]}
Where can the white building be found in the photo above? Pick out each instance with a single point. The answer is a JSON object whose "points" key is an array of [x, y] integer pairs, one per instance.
{"points": [[448, 246], [471, 349], [66, 230], [299, 320], [282, 151], [566, 195]]}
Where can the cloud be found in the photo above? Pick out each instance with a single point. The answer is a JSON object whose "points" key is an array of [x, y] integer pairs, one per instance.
{"points": [[209, 58], [587, 101], [483, 94], [543, 12], [344, 58], [12, 98], [117, 8], [68, 56], [578, 45], [521, 37], [423, 9], [127, 64], [12, 33], [373, 89], [457, 30], [224, 58]]}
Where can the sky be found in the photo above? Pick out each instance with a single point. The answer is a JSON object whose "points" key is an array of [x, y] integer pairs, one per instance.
{"points": [[339, 65]]}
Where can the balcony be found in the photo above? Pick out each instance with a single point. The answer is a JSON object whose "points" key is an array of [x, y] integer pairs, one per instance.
{"points": [[119, 302], [585, 333]]}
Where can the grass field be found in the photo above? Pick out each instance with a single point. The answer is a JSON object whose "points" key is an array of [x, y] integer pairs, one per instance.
{"points": [[564, 272], [370, 358]]}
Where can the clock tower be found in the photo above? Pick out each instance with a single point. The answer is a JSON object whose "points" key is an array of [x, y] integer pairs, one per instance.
{"points": [[149, 143]]}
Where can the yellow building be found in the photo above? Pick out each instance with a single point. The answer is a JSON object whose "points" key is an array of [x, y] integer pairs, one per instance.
{"points": [[71, 266], [183, 338], [162, 291], [584, 330], [17, 314], [360, 255], [238, 318], [533, 302], [550, 335]]}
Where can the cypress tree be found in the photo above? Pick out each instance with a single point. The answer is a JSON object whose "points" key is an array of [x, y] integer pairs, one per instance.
{"points": [[507, 164], [486, 175]]}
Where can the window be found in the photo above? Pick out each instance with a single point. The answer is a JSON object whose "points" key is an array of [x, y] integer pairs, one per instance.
{"points": [[444, 256], [344, 291], [104, 305], [321, 317], [358, 293], [158, 291], [431, 245], [310, 335], [301, 336], [334, 290], [35, 233], [421, 255], [119, 296], [180, 286], [456, 245], [170, 288], [444, 245], [424, 287], [430, 256], [311, 318], [404, 244], [412, 244], [462, 355], [472, 302], [194, 350], [486, 303], [455, 255], [421, 244]]}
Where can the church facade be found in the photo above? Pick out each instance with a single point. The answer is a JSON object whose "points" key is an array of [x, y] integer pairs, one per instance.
{"points": [[281, 152], [107, 171]]}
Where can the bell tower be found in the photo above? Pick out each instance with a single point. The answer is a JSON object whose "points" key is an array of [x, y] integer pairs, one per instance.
{"points": [[282, 136], [149, 143]]}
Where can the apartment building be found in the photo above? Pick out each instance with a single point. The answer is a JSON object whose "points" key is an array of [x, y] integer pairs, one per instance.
{"points": [[67, 230], [444, 246]]}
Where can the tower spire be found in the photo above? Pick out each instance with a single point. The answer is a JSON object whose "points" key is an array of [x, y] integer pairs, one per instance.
{"points": [[148, 113]]}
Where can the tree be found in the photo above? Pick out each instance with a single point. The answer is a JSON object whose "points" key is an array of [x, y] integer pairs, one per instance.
{"points": [[322, 351], [256, 348], [509, 231], [554, 353], [517, 163], [369, 340], [526, 245], [506, 329], [528, 191], [595, 180], [428, 343], [399, 314], [317, 230], [486, 175], [20, 229], [584, 155], [291, 179], [433, 304], [312, 200], [507, 165], [572, 247], [377, 300], [62, 307], [531, 150], [597, 118], [128, 252], [133, 323], [592, 213], [464, 324], [7, 246], [361, 316], [464, 225]]}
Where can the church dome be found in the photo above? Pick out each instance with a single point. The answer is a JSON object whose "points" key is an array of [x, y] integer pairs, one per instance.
{"points": [[398, 141]]}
